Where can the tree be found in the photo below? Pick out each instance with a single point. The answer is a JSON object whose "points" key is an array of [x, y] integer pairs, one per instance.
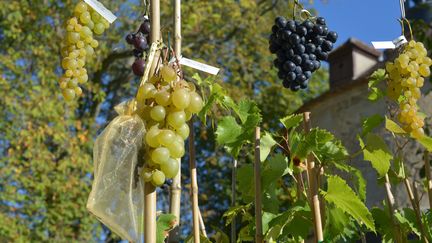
{"points": [[46, 144]]}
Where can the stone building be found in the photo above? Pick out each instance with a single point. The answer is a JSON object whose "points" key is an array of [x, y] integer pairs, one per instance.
{"points": [[341, 109]]}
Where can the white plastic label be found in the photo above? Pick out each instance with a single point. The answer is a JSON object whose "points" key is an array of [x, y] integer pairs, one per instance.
{"points": [[100, 8], [199, 66], [390, 44]]}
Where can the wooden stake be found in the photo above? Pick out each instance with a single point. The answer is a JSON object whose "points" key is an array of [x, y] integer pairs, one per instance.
{"points": [[194, 184], [258, 202], [202, 225], [428, 178], [233, 200], [175, 189], [313, 189], [149, 189]]}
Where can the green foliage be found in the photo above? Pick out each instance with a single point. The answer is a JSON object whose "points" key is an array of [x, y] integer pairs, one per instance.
{"points": [[393, 127], [370, 123], [374, 80], [376, 151], [291, 120], [164, 224], [344, 198], [266, 144]]}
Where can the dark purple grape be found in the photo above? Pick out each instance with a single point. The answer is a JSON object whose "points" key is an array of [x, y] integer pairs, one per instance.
{"points": [[286, 45], [304, 84], [294, 39], [276, 62], [318, 29], [274, 48], [291, 26], [286, 83], [281, 74], [301, 30], [308, 24], [299, 49], [272, 38], [308, 74], [301, 78], [140, 43], [280, 22], [310, 48], [130, 39], [298, 70], [308, 65], [137, 53], [332, 36], [297, 59], [325, 30], [145, 28], [294, 87], [322, 55], [281, 54], [289, 66], [317, 50], [321, 21], [317, 64], [327, 45], [304, 57], [312, 57], [138, 67], [275, 29], [286, 34], [289, 53], [291, 76]]}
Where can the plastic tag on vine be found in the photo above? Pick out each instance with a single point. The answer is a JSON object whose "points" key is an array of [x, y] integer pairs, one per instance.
{"points": [[390, 44], [199, 66], [102, 10], [117, 194]]}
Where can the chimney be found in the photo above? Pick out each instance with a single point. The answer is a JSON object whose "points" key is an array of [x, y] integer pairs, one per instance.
{"points": [[350, 61]]}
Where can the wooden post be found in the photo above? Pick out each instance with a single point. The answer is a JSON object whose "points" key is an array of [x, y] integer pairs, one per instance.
{"points": [[258, 202], [194, 184], [202, 225], [233, 199], [428, 178], [175, 196], [415, 206], [391, 207], [313, 189], [149, 189]]}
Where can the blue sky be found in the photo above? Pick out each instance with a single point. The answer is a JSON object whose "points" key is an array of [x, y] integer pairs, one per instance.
{"points": [[367, 20]]}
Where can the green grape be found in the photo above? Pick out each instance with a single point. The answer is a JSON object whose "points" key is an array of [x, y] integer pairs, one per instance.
{"points": [[168, 73], [85, 17], [72, 83], [166, 137], [94, 43], [160, 155], [78, 91], [80, 44], [69, 73], [196, 103], [90, 24], [158, 178], [183, 131], [181, 98], [176, 119], [170, 168], [72, 37], [99, 28], [95, 16], [151, 137], [81, 7], [89, 51], [146, 91], [176, 149], [158, 113], [85, 32], [82, 78], [146, 174], [68, 94], [163, 97]]}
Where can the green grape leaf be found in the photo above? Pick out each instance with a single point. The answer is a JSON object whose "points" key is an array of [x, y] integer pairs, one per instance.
{"points": [[312, 140], [165, 222], [426, 141], [377, 152], [246, 183], [382, 221], [266, 144], [336, 224], [247, 108], [273, 169], [393, 127], [220, 236], [292, 120], [294, 222], [407, 220], [375, 94], [343, 197], [228, 130], [370, 123], [266, 218], [376, 77], [234, 211]]}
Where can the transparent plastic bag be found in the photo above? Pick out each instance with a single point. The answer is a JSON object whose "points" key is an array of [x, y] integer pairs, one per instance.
{"points": [[117, 195]]}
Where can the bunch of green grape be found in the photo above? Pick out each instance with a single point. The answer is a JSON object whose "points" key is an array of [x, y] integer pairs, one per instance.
{"points": [[406, 76], [166, 103], [78, 47]]}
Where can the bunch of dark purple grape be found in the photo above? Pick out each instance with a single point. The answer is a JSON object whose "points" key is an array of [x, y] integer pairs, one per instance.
{"points": [[140, 41], [299, 48]]}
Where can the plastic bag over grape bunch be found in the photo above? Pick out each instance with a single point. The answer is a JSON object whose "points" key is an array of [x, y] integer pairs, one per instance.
{"points": [[117, 195]]}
